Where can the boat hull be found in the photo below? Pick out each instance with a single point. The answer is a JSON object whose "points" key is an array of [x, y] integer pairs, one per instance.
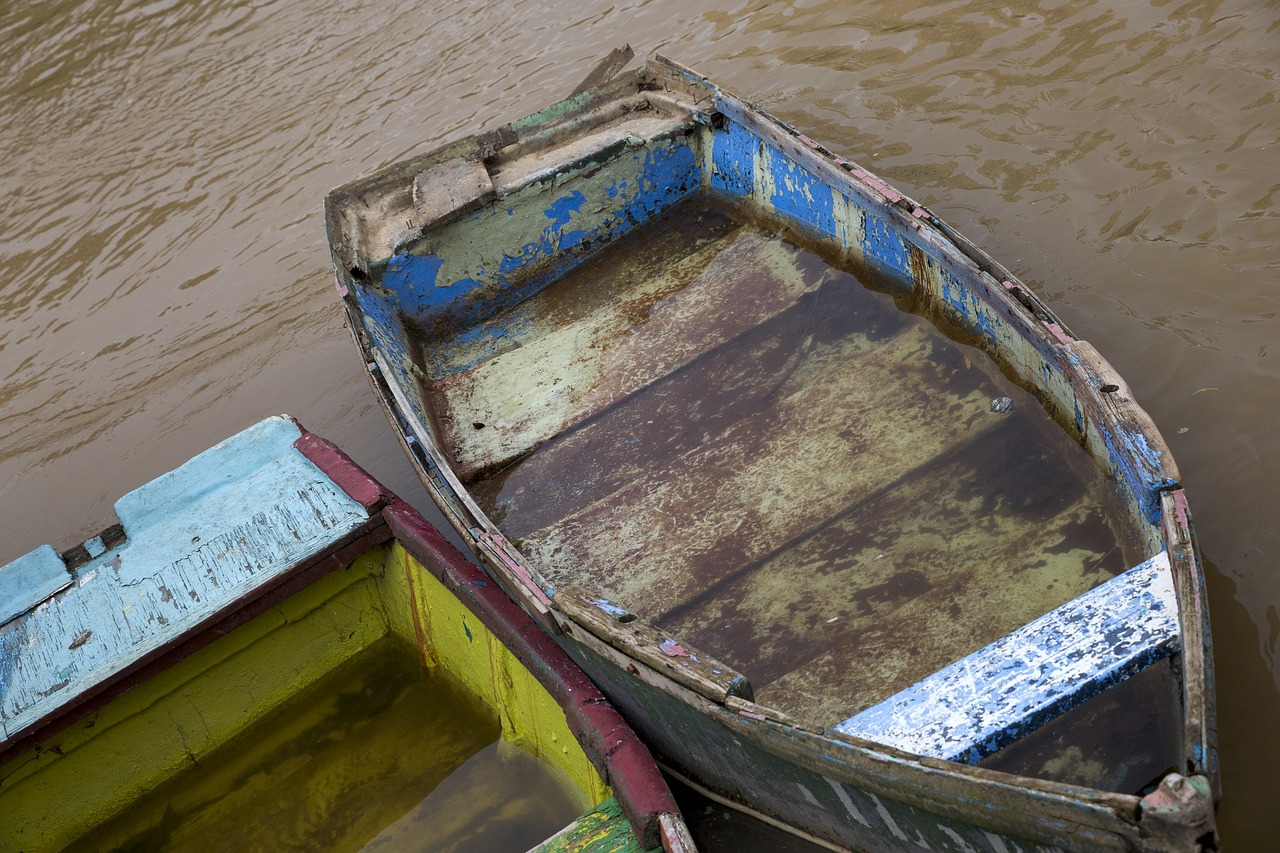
{"points": [[334, 569], [840, 789]]}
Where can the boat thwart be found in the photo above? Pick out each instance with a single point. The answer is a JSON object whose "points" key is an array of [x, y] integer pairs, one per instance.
{"points": [[856, 533]]}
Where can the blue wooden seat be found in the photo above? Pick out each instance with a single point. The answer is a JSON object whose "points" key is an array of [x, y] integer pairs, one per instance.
{"points": [[985, 701], [196, 540]]}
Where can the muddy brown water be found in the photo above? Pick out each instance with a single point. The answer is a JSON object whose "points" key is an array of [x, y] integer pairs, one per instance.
{"points": [[165, 277]]}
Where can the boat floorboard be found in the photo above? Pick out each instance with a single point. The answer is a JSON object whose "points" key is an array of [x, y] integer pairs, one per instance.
{"points": [[816, 493], [602, 333]]}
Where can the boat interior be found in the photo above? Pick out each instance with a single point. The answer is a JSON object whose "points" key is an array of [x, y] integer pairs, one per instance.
{"points": [[342, 695], [679, 372], [752, 450]]}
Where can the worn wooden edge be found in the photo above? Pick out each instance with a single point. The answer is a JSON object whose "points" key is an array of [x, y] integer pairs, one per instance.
{"points": [[605, 69], [425, 466], [442, 484], [674, 833], [1200, 730], [679, 123], [299, 576], [419, 436], [1052, 811], [1137, 451], [1011, 687], [1047, 812], [642, 642], [618, 754], [1066, 816], [352, 209]]}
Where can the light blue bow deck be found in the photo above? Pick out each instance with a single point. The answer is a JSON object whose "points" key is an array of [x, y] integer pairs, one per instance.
{"points": [[199, 539], [989, 699]]}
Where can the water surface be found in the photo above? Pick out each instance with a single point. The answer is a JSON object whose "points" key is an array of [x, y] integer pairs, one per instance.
{"points": [[164, 278], [374, 756]]}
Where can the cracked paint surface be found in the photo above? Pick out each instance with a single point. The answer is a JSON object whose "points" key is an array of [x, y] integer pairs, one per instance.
{"points": [[246, 510]]}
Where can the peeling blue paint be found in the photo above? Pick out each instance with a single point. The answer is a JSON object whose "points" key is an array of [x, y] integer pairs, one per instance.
{"points": [[882, 246], [800, 196], [733, 159], [199, 538], [612, 609], [989, 699], [1135, 463], [562, 209]]}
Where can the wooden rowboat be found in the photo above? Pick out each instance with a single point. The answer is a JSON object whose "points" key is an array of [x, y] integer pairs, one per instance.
{"points": [[855, 532], [168, 683]]}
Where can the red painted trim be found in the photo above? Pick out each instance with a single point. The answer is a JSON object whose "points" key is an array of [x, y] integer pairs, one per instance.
{"points": [[621, 758], [342, 470]]}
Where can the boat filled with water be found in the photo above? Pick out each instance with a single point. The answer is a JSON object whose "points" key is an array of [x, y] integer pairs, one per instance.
{"points": [[270, 651], [857, 534]]}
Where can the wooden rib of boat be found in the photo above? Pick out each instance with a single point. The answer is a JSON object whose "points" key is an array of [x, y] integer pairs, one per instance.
{"points": [[855, 532], [134, 667]]}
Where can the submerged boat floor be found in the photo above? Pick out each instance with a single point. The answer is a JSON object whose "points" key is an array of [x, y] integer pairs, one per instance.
{"points": [[749, 448]]}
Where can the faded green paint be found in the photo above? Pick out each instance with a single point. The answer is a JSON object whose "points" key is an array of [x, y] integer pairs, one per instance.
{"points": [[604, 829]]}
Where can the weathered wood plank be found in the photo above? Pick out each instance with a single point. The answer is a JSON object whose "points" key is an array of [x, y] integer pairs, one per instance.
{"points": [[605, 69], [29, 580], [233, 519], [836, 425], [573, 351], [445, 191], [979, 704], [1199, 714], [684, 665]]}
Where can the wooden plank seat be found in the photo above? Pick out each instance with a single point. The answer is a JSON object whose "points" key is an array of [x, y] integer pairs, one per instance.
{"points": [[239, 515], [981, 703], [857, 460]]}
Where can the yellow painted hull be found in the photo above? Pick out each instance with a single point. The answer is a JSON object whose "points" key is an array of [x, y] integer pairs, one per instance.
{"points": [[124, 769]]}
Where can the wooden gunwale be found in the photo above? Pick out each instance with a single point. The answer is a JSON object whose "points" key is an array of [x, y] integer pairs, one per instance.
{"points": [[607, 743], [1078, 388]]}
